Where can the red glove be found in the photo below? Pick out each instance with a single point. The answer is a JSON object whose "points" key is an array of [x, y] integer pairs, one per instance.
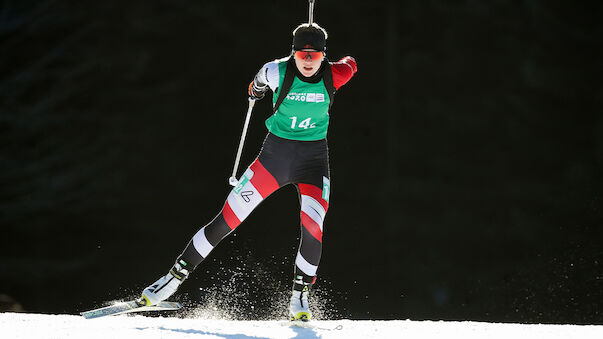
{"points": [[343, 71], [351, 62]]}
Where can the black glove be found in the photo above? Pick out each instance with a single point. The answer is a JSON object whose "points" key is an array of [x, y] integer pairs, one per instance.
{"points": [[255, 92]]}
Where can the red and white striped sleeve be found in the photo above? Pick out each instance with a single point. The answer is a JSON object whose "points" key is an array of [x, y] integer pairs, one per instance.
{"points": [[343, 70]]}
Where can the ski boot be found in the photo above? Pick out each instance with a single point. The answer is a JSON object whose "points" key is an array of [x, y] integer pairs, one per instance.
{"points": [[299, 309], [165, 286]]}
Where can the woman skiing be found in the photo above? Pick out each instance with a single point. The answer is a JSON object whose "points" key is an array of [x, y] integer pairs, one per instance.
{"points": [[294, 152]]}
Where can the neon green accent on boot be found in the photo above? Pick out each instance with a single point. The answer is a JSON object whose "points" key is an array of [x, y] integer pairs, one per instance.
{"points": [[144, 301], [303, 316], [176, 274]]}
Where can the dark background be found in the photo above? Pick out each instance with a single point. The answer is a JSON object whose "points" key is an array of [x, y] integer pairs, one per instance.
{"points": [[466, 156]]}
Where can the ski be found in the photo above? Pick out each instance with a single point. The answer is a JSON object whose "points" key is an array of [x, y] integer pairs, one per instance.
{"points": [[130, 307], [312, 324]]}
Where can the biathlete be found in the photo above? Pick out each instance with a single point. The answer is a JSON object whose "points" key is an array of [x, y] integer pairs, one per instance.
{"points": [[294, 152]]}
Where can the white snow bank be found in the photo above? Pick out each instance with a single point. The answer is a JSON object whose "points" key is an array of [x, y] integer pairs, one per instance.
{"points": [[41, 326]]}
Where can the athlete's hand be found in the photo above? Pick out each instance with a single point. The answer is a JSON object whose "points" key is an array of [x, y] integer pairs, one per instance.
{"points": [[350, 61], [255, 92]]}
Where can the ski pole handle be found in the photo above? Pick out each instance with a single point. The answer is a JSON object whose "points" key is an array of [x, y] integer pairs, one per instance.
{"points": [[233, 180]]}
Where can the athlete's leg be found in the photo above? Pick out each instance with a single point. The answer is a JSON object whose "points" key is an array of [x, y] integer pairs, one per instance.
{"points": [[314, 202], [256, 184], [314, 205]]}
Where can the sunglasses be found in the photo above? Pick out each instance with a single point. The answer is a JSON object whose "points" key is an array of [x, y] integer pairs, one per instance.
{"points": [[302, 55]]}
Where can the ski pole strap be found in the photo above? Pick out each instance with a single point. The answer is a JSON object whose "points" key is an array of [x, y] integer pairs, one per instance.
{"points": [[327, 77]]}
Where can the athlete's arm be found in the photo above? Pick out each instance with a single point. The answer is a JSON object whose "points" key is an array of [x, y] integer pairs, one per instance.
{"points": [[343, 70], [266, 78]]}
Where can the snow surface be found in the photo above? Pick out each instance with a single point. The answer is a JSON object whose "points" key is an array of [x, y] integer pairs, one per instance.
{"points": [[42, 326]]}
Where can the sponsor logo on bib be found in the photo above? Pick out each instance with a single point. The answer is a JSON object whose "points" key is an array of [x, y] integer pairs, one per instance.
{"points": [[306, 97]]}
